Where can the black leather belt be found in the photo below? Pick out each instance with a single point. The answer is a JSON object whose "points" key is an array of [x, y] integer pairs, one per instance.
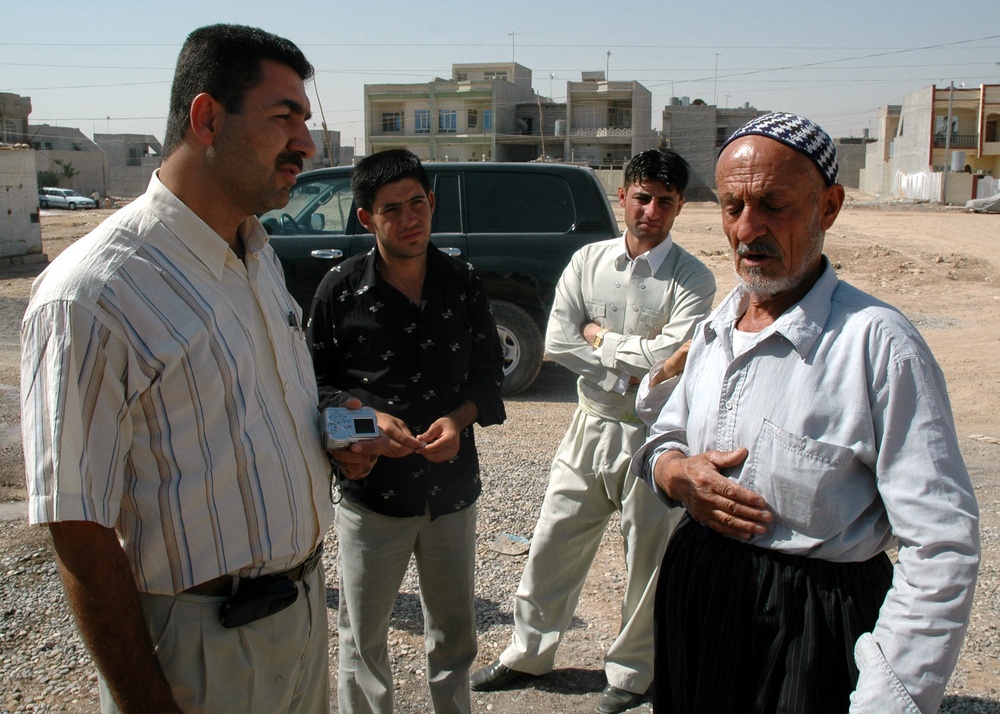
{"points": [[222, 586]]}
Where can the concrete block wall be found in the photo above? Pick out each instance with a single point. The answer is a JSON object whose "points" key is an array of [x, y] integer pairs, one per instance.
{"points": [[20, 231]]}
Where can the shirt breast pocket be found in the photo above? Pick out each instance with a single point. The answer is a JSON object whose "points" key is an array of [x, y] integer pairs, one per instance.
{"points": [[652, 321], [807, 483], [596, 311]]}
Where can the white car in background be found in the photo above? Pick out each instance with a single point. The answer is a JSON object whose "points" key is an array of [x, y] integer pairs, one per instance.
{"points": [[63, 198]]}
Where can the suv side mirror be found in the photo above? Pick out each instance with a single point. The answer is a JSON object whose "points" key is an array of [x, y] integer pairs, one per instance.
{"points": [[316, 222]]}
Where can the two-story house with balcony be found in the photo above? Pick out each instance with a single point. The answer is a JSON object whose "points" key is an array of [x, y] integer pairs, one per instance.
{"points": [[471, 117], [940, 144], [607, 122]]}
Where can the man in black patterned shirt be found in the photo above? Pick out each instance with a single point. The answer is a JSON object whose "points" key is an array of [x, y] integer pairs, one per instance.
{"points": [[408, 331]]}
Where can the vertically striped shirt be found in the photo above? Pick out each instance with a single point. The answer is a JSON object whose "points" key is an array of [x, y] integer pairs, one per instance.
{"points": [[167, 392]]}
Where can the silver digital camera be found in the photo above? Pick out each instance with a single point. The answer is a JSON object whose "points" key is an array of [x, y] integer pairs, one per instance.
{"points": [[343, 426]]}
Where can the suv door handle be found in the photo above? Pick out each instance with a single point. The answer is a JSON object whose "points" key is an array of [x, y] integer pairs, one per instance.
{"points": [[327, 254], [453, 252]]}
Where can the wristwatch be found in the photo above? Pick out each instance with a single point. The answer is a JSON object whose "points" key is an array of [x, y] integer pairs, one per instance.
{"points": [[599, 338]]}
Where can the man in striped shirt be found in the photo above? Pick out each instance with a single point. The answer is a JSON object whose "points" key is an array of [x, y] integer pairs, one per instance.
{"points": [[169, 409]]}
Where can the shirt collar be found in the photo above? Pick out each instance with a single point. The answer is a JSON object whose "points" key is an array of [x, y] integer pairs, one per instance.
{"points": [[371, 274], [801, 324], [196, 235], [654, 256]]}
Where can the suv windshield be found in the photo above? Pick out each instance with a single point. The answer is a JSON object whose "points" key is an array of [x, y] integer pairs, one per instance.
{"points": [[314, 208]]}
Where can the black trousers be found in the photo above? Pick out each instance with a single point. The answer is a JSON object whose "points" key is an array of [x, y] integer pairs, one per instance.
{"points": [[744, 629]]}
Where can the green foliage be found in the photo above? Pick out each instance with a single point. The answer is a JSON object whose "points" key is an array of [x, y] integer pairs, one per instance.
{"points": [[48, 178], [67, 168]]}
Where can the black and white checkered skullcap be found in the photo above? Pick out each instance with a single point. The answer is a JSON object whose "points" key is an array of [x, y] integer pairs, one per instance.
{"points": [[799, 133]]}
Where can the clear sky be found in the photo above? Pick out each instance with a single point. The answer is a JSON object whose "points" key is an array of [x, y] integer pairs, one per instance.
{"points": [[107, 66]]}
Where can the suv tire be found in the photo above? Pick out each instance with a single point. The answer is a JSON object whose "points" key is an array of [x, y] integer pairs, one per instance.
{"points": [[523, 346]]}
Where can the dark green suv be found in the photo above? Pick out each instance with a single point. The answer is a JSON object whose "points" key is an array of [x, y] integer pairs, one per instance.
{"points": [[517, 223]]}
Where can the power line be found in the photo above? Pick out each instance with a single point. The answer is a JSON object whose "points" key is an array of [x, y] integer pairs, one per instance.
{"points": [[543, 45]]}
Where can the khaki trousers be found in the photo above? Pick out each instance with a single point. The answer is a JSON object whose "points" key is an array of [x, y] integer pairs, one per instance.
{"points": [[590, 480], [277, 664]]}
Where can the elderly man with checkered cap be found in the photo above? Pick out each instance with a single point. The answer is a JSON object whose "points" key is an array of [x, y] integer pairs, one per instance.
{"points": [[810, 433]]}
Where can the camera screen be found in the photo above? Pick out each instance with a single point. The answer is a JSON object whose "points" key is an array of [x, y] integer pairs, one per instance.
{"points": [[364, 426]]}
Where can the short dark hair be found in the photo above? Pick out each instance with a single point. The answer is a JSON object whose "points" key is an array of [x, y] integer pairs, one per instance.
{"points": [[668, 167], [224, 61], [375, 171]]}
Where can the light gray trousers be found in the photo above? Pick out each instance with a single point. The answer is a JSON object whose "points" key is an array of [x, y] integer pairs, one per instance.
{"points": [[374, 552]]}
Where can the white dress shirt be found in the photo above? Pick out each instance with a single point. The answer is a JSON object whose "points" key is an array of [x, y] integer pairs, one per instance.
{"points": [[167, 392]]}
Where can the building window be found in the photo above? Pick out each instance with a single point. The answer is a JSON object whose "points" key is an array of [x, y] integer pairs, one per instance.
{"points": [[487, 120], [619, 118], [720, 135], [472, 120], [422, 121], [498, 74], [991, 131], [9, 131], [392, 121], [461, 77], [941, 126], [447, 121]]}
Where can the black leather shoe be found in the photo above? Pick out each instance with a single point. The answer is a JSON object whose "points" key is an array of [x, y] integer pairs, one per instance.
{"points": [[614, 700], [494, 676]]}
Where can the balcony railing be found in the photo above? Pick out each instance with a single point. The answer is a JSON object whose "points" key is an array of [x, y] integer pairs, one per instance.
{"points": [[957, 141], [602, 132]]}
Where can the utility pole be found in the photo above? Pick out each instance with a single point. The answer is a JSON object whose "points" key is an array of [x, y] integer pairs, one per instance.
{"points": [[607, 67], [541, 123], [512, 35], [715, 83], [331, 159], [947, 144]]}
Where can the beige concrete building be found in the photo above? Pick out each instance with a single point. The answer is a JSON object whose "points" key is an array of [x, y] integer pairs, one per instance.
{"points": [[697, 131], [328, 150], [940, 144], [77, 162], [489, 112], [14, 113], [131, 160]]}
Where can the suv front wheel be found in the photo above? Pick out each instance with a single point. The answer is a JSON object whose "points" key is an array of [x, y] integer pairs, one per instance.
{"points": [[523, 346]]}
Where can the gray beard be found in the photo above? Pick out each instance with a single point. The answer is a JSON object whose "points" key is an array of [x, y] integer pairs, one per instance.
{"points": [[760, 286]]}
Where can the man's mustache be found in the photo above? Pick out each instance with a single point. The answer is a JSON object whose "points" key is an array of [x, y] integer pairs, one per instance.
{"points": [[290, 157], [761, 246]]}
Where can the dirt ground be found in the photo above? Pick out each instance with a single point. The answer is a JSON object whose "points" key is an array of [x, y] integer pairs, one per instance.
{"points": [[940, 266]]}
